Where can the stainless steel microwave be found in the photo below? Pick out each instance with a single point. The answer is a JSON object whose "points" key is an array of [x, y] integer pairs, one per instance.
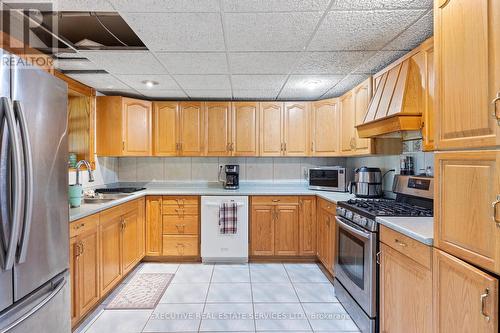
{"points": [[328, 178]]}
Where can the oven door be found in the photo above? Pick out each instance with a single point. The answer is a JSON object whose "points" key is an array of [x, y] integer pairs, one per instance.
{"points": [[355, 263]]}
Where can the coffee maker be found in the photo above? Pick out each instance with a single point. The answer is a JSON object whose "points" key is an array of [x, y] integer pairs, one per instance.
{"points": [[231, 180]]}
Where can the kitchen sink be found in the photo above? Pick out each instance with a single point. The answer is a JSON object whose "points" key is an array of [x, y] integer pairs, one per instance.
{"points": [[97, 200], [104, 197]]}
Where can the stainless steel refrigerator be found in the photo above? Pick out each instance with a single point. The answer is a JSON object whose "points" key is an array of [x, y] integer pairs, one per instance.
{"points": [[34, 257]]}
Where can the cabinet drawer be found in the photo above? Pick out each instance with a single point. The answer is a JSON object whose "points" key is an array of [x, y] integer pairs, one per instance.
{"points": [[411, 248], [179, 201], [180, 245], [187, 224], [275, 200], [330, 207], [180, 211], [80, 226]]}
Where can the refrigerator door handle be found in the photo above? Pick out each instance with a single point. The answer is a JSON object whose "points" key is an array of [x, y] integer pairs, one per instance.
{"points": [[28, 181], [17, 182]]}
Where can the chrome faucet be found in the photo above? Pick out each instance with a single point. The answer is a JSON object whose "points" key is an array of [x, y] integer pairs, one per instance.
{"points": [[89, 170]]}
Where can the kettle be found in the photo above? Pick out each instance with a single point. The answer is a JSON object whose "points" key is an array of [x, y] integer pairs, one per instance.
{"points": [[367, 183]]}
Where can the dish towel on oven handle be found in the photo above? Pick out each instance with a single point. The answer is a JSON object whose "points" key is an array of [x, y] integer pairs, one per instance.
{"points": [[228, 218]]}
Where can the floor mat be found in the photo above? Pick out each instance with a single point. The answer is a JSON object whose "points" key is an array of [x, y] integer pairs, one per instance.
{"points": [[142, 292]]}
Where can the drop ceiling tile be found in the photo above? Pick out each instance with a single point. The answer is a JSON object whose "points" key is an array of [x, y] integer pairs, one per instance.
{"points": [[381, 4], [274, 6], [269, 31], [163, 94], [203, 82], [262, 62], [74, 64], [99, 81], [209, 93], [135, 81], [194, 63], [166, 6], [122, 92], [345, 85], [261, 94], [125, 62], [308, 86], [414, 35], [380, 60], [361, 30], [178, 31], [257, 82], [81, 5], [339, 62]]}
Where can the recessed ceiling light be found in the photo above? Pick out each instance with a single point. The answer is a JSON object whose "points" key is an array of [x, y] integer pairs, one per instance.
{"points": [[312, 84], [149, 83]]}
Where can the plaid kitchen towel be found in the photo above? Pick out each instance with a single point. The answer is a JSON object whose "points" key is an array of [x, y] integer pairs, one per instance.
{"points": [[228, 218]]}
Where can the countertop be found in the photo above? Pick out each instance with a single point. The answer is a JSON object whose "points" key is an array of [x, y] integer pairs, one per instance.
{"points": [[194, 189], [418, 228]]}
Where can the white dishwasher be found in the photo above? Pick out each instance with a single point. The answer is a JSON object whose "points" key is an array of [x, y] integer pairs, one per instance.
{"points": [[217, 247]]}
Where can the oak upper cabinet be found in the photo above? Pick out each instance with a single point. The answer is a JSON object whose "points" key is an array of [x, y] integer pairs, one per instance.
{"points": [[362, 95], [307, 226], [405, 292], [466, 36], [465, 298], [123, 126], [165, 129], [218, 128], [428, 134], [271, 129], [296, 129], [347, 130], [466, 201], [153, 225], [325, 129], [191, 129], [245, 129]]}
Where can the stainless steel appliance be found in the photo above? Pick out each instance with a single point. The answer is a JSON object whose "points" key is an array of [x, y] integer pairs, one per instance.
{"points": [[34, 278], [231, 177], [367, 183], [356, 245], [332, 178]]}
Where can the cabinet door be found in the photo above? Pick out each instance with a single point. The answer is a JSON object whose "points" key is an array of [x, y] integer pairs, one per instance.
{"points": [[362, 96], [262, 230], [88, 270], [191, 124], [110, 252], [307, 226], [467, 35], [347, 139], [271, 129], [325, 130], [465, 298], [465, 225], [286, 237], [153, 225], [296, 129], [165, 128], [405, 294], [329, 241], [136, 115], [218, 128], [73, 273], [130, 241], [428, 115], [245, 118]]}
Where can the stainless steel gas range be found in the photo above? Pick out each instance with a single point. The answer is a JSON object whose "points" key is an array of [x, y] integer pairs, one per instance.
{"points": [[356, 245]]}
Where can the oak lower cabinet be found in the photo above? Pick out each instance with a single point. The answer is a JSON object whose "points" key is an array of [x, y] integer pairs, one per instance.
{"points": [[466, 202], [180, 226], [153, 225], [465, 298], [281, 226], [84, 266], [325, 222], [405, 284]]}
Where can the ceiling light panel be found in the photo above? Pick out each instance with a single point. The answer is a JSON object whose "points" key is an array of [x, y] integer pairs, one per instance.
{"points": [[178, 31], [126, 62], [361, 30], [308, 86], [269, 31], [194, 63]]}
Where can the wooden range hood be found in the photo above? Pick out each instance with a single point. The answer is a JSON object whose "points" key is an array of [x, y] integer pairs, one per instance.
{"points": [[396, 107]]}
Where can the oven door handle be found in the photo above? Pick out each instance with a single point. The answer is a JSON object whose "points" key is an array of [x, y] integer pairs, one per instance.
{"points": [[341, 222]]}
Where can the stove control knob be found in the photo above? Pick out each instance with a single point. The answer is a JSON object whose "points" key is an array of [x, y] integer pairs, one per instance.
{"points": [[363, 221], [340, 211], [349, 214]]}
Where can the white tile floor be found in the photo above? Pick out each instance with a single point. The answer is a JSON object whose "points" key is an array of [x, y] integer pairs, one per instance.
{"points": [[231, 298]]}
